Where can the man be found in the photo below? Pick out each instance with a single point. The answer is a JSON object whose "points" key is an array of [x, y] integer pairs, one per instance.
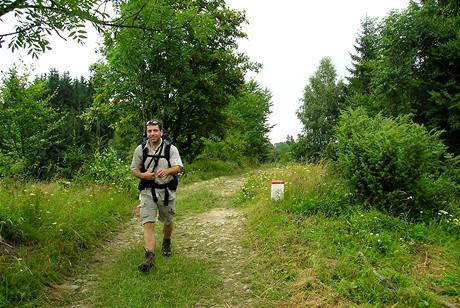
{"points": [[157, 189]]}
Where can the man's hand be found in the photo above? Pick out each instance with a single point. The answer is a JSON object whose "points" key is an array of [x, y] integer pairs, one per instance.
{"points": [[148, 175], [162, 172]]}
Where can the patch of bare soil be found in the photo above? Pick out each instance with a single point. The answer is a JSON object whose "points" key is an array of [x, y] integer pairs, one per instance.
{"points": [[213, 236]]}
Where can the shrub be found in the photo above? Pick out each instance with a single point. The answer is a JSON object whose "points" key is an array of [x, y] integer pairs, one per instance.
{"points": [[229, 149], [391, 163], [107, 168]]}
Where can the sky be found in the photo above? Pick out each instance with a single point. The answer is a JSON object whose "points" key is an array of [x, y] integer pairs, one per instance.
{"points": [[289, 38]]}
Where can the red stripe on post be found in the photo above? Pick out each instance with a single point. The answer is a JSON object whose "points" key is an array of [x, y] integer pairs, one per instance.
{"points": [[277, 182]]}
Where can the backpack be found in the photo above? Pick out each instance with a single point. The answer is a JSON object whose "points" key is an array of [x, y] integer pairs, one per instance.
{"points": [[172, 185]]}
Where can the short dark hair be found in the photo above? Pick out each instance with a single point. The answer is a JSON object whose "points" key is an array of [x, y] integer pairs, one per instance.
{"points": [[153, 122]]}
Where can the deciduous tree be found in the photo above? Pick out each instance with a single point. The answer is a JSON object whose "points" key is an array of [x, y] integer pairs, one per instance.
{"points": [[37, 20], [322, 98], [185, 74]]}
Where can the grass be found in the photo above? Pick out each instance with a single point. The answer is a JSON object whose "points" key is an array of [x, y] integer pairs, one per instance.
{"points": [[48, 229], [316, 248], [201, 170], [176, 282], [181, 281]]}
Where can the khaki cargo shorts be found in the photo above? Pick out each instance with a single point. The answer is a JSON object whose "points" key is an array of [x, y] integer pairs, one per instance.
{"points": [[151, 210]]}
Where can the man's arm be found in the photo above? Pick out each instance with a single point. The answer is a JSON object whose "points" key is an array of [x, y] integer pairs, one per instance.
{"points": [[148, 175], [168, 171]]}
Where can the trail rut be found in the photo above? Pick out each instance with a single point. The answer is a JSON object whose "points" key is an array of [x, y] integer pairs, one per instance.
{"points": [[213, 236]]}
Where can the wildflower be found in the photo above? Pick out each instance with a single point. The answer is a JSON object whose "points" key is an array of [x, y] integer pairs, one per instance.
{"points": [[443, 212]]}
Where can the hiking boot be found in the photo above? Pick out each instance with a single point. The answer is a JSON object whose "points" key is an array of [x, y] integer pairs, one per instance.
{"points": [[149, 261], [166, 248]]}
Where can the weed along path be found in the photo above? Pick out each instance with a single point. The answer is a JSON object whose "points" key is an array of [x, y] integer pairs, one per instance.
{"points": [[207, 268]]}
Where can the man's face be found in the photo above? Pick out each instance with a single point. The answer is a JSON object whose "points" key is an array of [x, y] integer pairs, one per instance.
{"points": [[153, 133]]}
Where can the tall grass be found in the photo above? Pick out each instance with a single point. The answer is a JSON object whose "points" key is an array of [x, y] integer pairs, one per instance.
{"points": [[179, 281], [315, 248], [207, 169], [48, 228]]}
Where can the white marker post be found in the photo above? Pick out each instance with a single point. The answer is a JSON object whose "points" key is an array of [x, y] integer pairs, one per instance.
{"points": [[277, 190]]}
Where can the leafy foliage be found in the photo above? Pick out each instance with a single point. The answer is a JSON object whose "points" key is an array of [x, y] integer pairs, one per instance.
{"points": [[107, 168], [248, 114], [408, 64], [280, 152], [185, 73], [391, 163], [366, 52], [246, 131], [322, 99], [29, 128], [313, 248], [36, 20]]}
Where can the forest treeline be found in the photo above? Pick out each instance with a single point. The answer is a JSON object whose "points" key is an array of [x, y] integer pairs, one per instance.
{"points": [[178, 62], [180, 65], [379, 171], [405, 64]]}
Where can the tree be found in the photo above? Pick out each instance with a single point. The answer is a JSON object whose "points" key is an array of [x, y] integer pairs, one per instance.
{"points": [[366, 52], [248, 115], [185, 74], [69, 97], [322, 98], [29, 128], [417, 71], [37, 20]]}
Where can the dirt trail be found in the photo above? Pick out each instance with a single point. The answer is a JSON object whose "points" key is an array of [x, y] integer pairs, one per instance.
{"points": [[213, 235]]}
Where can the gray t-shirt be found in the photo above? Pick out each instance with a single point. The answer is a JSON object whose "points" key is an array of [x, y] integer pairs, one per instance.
{"points": [[174, 159]]}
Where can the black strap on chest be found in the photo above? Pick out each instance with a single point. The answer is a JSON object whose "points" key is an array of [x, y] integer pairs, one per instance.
{"points": [[155, 158]]}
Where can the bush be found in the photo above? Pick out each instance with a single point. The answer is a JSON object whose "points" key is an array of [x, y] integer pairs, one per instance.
{"points": [[330, 197], [107, 168], [229, 149], [391, 163]]}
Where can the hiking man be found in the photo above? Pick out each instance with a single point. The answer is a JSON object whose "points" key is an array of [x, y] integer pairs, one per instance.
{"points": [[155, 163]]}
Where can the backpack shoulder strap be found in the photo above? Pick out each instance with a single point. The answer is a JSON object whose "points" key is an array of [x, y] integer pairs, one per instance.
{"points": [[145, 152], [168, 154]]}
